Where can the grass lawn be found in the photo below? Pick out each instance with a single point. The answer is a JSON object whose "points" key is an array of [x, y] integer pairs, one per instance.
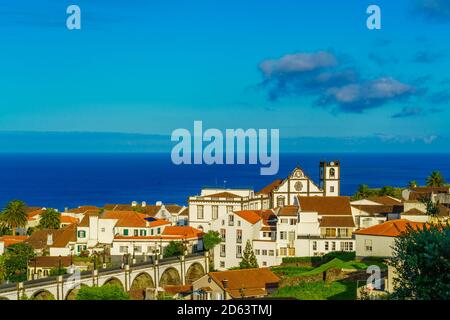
{"points": [[319, 290]]}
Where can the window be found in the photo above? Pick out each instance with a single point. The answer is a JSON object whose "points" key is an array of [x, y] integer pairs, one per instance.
{"points": [[136, 232], [343, 233], [238, 251], [81, 234], [368, 244], [264, 252], [330, 232], [283, 251], [200, 212], [314, 245], [327, 246], [102, 229], [291, 235], [267, 234], [257, 252], [223, 234], [264, 264], [143, 233], [152, 231], [331, 188], [283, 235], [231, 220], [239, 236], [222, 264], [229, 209], [284, 220], [223, 222], [333, 246], [125, 232], [215, 212], [280, 201], [346, 246], [293, 222], [332, 173], [159, 230], [123, 249], [239, 223], [137, 249], [271, 252], [222, 250]]}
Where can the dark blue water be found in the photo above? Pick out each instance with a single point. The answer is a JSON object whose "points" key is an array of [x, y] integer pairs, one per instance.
{"points": [[70, 180]]}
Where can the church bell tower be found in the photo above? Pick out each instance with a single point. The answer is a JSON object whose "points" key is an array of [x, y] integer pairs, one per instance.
{"points": [[330, 178]]}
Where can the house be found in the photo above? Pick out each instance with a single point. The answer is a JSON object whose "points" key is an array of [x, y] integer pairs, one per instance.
{"points": [[379, 240], [41, 266], [53, 242], [376, 210], [67, 220], [34, 216], [238, 227], [6, 241], [235, 284]]}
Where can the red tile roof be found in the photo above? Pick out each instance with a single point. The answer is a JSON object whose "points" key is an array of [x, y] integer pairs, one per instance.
{"points": [[392, 228], [325, 205], [269, 188], [223, 195], [68, 219], [251, 216], [184, 231], [337, 222], [386, 200], [9, 240], [288, 211]]}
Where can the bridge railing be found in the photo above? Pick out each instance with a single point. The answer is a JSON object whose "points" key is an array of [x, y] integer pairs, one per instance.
{"points": [[87, 274]]}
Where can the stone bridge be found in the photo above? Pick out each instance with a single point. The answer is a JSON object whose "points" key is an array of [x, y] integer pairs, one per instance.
{"points": [[135, 279]]}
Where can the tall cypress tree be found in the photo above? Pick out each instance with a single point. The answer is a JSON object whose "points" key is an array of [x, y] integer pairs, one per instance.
{"points": [[248, 257]]}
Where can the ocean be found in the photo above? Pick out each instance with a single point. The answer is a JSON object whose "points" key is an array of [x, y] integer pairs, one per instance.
{"points": [[71, 180]]}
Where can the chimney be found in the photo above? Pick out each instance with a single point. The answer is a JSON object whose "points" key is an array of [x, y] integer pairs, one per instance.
{"points": [[49, 239], [144, 204]]}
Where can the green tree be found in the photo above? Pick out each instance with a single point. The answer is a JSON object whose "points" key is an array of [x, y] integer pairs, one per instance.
{"points": [[16, 261], [50, 219], [174, 248], [14, 215], [210, 240], [387, 191], [412, 184], [57, 271], [362, 192], [421, 261], [248, 257], [106, 292], [435, 179]]}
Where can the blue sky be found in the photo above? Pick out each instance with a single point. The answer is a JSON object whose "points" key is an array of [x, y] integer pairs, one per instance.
{"points": [[309, 69]]}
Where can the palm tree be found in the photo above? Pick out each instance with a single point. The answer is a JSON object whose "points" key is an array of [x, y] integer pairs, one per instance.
{"points": [[412, 184], [14, 215], [362, 192], [50, 219], [435, 179]]}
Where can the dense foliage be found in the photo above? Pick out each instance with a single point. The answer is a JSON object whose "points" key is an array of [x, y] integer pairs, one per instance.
{"points": [[421, 259], [14, 215], [106, 292], [50, 219], [15, 261], [211, 239], [435, 179], [174, 248]]}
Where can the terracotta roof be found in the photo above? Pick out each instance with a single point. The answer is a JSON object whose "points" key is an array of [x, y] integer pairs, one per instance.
{"points": [[325, 205], [33, 215], [126, 218], [386, 200], [223, 195], [392, 228], [9, 240], [61, 237], [84, 209], [269, 188], [379, 209], [185, 231], [336, 221], [85, 221], [68, 219], [268, 228], [185, 212], [414, 212], [288, 211], [251, 216], [175, 289], [247, 282], [50, 262], [173, 208]]}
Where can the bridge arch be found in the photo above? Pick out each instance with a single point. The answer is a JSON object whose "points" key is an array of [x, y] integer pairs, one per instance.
{"points": [[43, 295], [170, 276], [194, 272], [72, 293], [141, 282], [114, 282]]}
